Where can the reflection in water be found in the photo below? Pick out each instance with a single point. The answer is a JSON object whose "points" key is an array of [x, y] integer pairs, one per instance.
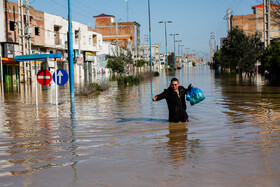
{"points": [[179, 146], [73, 142]]}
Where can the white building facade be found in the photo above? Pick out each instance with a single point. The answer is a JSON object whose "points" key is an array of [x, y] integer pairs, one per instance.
{"points": [[86, 43]]}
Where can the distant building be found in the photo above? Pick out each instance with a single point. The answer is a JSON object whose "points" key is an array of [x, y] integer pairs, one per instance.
{"points": [[127, 35], [145, 54], [253, 23]]}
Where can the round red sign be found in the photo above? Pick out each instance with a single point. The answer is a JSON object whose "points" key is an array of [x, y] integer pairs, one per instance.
{"points": [[44, 77]]}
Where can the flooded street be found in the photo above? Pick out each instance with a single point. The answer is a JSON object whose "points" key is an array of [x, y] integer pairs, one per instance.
{"points": [[120, 137]]}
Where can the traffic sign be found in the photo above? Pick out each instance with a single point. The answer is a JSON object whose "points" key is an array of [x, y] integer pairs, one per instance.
{"points": [[61, 76], [44, 77]]}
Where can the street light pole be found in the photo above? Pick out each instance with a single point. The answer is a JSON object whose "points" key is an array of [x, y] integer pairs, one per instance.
{"points": [[174, 47], [150, 36], [166, 58], [70, 50]]}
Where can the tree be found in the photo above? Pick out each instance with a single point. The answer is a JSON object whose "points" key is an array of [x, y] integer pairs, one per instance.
{"points": [[270, 58], [275, 12], [240, 52], [171, 61], [116, 64], [140, 63]]}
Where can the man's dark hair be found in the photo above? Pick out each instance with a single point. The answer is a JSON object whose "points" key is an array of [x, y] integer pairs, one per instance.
{"points": [[174, 79]]}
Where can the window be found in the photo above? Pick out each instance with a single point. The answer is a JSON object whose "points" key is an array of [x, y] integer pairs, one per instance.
{"points": [[12, 26], [37, 31], [76, 33], [94, 39]]}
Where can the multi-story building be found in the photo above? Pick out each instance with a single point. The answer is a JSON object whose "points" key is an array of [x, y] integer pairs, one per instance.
{"points": [[145, 54], [2, 27], [86, 43], [125, 34], [45, 33], [254, 23]]}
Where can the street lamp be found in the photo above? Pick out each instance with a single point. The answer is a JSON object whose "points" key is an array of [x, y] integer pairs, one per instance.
{"points": [[150, 36], [178, 41], [174, 47], [70, 51], [166, 58]]}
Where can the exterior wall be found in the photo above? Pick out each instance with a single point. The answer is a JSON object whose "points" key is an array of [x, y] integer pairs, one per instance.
{"points": [[253, 23], [58, 40], [2, 21], [37, 20], [87, 43], [51, 40], [12, 15], [145, 53], [128, 32], [108, 48]]}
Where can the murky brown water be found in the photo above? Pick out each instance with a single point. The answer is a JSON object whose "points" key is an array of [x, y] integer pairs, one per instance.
{"points": [[121, 138]]}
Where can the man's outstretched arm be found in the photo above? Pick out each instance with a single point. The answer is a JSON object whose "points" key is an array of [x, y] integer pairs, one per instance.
{"points": [[161, 96]]}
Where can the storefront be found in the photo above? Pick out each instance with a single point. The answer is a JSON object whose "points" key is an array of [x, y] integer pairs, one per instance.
{"points": [[10, 72], [89, 66]]}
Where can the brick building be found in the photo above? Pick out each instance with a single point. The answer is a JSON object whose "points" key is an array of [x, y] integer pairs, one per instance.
{"points": [[253, 23], [128, 34]]}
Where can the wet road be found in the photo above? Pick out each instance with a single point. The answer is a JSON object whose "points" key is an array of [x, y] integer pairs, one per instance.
{"points": [[121, 138]]}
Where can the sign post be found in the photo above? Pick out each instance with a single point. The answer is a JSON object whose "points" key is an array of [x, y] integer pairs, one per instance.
{"points": [[60, 77], [44, 77], [36, 86]]}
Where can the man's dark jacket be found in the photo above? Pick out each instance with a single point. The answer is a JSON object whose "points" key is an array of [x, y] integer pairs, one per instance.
{"points": [[176, 106]]}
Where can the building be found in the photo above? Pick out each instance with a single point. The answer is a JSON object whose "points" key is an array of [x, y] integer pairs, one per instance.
{"points": [[125, 34], [2, 27], [86, 43], [27, 31], [254, 23], [144, 53]]}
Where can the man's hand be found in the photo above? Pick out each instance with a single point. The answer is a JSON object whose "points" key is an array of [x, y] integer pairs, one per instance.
{"points": [[154, 98]]}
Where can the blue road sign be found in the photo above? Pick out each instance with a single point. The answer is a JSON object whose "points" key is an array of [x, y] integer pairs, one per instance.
{"points": [[62, 77]]}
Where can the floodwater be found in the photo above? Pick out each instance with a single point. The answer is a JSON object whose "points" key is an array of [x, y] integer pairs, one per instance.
{"points": [[121, 138]]}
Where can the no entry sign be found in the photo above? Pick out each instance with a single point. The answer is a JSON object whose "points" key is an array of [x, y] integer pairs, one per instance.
{"points": [[44, 77]]}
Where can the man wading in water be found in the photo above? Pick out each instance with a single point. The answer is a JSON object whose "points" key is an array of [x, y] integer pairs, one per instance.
{"points": [[175, 98]]}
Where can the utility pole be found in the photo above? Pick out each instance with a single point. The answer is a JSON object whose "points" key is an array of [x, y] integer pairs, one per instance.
{"points": [[228, 21], [166, 57], [174, 48], [150, 36], [213, 37], [28, 33], [266, 14], [211, 52], [22, 35], [117, 39]]}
